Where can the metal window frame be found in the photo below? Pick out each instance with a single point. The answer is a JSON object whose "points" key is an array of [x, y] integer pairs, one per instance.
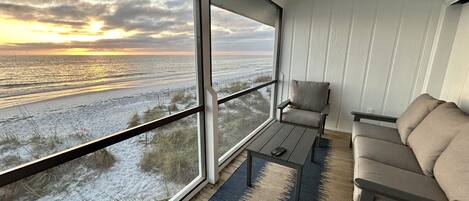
{"points": [[227, 157], [28, 169], [193, 187], [244, 92]]}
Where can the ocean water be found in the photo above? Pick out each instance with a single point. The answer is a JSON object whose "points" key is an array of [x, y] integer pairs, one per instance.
{"points": [[22, 78]]}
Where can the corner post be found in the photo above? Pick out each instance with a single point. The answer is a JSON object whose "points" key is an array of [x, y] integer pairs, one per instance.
{"points": [[210, 96]]}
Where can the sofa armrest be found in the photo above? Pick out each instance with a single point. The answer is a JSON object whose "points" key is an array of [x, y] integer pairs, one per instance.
{"points": [[326, 110], [384, 189], [361, 115], [284, 104]]}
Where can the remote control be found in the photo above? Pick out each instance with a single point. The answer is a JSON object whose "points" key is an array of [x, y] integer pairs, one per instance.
{"points": [[278, 151]]}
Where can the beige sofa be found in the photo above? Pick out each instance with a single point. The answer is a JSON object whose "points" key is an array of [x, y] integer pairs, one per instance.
{"points": [[426, 157]]}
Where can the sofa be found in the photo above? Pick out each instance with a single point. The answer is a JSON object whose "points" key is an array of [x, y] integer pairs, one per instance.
{"points": [[421, 155]]}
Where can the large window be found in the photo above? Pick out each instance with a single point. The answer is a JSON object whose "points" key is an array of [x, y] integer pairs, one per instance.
{"points": [[104, 100], [75, 71], [242, 58]]}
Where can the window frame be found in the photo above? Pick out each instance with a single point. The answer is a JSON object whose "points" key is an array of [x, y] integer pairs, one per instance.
{"points": [[53, 160], [227, 157]]}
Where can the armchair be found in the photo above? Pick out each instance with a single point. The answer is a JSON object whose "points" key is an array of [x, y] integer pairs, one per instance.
{"points": [[309, 105]]}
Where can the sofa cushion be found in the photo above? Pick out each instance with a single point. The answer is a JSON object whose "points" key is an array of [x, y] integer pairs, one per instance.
{"points": [[452, 168], [302, 117], [375, 131], [389, 180], [307, 95], [434, 133], [392, 154], [414, 114]]}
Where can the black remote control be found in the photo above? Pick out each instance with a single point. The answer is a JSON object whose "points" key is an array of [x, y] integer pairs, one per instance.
{"points": [[278, 151]]}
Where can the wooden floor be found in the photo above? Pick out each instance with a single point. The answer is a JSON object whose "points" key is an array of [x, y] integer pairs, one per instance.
{"points": [[336, 179]]}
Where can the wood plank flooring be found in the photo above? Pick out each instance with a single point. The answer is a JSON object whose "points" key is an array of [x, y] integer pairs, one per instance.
{"points": [[337, 178]]}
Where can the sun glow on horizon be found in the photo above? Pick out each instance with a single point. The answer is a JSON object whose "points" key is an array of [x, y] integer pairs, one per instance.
{"points": [[17, 32]]}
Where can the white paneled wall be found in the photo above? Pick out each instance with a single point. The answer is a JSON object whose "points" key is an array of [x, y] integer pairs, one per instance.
{"points": [[375, 53], [456, 85]]}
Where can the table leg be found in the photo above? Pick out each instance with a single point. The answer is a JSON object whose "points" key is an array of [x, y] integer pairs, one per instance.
{"points": [[249, 170], [299, 173], [313, 149]]}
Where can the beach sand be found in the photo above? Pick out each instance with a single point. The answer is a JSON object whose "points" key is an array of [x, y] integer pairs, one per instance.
{"points": [[97, 112]]}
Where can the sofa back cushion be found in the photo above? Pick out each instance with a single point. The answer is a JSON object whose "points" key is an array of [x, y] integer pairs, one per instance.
{"points": [[307, 95], [434, 133], [452, 168], [414, 114]]}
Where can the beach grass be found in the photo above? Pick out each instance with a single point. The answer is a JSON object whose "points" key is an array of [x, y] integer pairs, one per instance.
{"points": [[170, 151]]}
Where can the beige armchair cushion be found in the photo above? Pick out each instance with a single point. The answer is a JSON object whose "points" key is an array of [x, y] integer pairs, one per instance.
{"points": [[431, 137], [414, 114], [307, 95], [452, 168], [302, 117]]}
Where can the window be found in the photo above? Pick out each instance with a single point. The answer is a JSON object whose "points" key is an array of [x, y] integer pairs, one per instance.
{"points": [[72, 72], [105, 99], [242, 58], [242, 51]]}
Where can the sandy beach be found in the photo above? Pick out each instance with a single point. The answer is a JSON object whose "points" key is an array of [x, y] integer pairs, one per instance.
{"points": [[97, 112]]}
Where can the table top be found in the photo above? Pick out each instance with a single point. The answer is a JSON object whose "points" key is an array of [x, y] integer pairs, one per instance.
{"points": [[297, 140]]}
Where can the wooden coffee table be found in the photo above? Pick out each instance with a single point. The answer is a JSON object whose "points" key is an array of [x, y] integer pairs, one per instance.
{"points": [[297, 140]]}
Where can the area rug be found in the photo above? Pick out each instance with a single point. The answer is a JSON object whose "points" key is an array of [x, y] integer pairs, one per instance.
{"points": [[275, 182]]}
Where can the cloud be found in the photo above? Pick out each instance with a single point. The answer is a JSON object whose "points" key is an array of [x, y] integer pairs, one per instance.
{"points": [[159, 25]]}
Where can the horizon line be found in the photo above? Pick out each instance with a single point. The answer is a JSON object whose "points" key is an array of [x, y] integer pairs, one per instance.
{"points": [[130, 55]]}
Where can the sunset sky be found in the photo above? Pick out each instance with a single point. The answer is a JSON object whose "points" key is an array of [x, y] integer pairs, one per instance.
{"points": [[117, 27]]}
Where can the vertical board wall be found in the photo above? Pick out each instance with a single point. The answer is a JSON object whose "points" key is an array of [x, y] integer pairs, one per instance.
{"points": [[456, 85], [374, 53]]}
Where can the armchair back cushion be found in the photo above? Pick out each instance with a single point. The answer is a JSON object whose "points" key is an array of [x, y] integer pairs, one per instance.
{"points": [[414, 114], [431, 137], [452, 168], [307, 95]]}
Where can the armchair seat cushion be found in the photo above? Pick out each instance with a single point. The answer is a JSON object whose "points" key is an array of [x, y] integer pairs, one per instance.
{"points": [[302, 117], [388, 153], [389, 180], [376, 132]]}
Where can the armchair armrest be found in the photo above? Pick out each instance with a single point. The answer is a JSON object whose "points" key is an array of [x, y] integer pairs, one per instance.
{"points": [[361, 115], [284, 104], [326, 110]]}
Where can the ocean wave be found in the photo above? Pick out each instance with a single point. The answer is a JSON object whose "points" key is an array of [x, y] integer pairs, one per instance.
{"points": [[66, 82]]}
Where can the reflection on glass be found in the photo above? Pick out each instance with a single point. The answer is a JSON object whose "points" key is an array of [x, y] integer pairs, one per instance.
{"points": [[239, 117], [152, 166]]}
